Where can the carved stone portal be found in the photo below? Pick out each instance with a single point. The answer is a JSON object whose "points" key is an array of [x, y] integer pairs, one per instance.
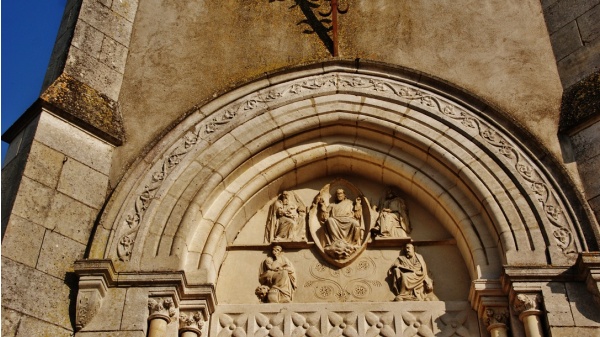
{"points": [[277, 278], [339, 224], [408, 274]]}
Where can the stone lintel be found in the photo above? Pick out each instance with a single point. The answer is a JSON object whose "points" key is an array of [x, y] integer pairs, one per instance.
{"points": [[79, 104], [580, 104], [185, 291]]}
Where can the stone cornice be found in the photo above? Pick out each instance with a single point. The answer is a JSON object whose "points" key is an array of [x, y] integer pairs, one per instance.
{"points": [[176, 279]]}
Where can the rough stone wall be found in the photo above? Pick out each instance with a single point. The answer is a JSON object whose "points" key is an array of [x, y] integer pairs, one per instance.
{"points": [[63, 184], [499, 52], [574, 30]]}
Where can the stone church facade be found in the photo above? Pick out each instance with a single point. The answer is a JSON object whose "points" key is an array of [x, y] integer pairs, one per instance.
{"points": [[309, 168]]}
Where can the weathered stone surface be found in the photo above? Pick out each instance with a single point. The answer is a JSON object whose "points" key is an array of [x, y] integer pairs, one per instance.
{"points": [[113, 54], [71, 218], [44, 164], [556, 304], [21, 289], [58, 254], [106, 21], [33, 201], [22, 241], [87, 39], [585, 142], [589, 25], [95, 74], [581, 102], [83, 183], [580, 64], [10, 322], [70, 140], [574, 331], [125, 8], [563, 11], [566, 40], [136, 310], [30, 326], [117, 333], [585, 310]]}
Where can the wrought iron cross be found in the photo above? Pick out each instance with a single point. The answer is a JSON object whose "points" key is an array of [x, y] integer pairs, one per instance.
{"points": [[324, 21]]}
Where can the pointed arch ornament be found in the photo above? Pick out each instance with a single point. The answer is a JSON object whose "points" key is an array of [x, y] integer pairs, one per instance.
{"points": [[521, 204]]}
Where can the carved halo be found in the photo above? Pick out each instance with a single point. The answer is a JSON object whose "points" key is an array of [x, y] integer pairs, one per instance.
{"points": [[318, 230]]}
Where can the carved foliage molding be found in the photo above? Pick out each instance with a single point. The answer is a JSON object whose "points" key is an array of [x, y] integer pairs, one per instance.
{"points": [[333, 323], [489, 135], [92, 290], [163, 308]]}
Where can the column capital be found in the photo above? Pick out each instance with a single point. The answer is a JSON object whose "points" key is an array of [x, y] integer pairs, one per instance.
{"points": [[161, 308], [191, 321]]}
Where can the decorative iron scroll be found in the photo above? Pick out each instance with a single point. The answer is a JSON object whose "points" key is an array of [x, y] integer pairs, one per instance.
{"points": [[357, 84], [374, 319]]}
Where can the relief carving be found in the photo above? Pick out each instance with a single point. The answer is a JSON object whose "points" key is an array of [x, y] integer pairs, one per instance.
{"points": [[392, 220], [277, 278], [191, 321], [410, 280], [524, 303], [346, 284], [163, 308], [338, 223], [497, 315], [287, 219]]}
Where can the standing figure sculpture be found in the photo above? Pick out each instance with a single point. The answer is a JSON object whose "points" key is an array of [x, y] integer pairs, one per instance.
{"points": [[277, 278], [287, 219], [342, 223], [410, 281], [393, 217]]}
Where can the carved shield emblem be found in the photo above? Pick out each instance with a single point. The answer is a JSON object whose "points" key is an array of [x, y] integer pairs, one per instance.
{"points": [[339, 221]]}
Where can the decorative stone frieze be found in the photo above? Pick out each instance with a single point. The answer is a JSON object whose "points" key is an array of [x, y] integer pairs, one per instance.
{"points": [[92, 290], [368, 319]]}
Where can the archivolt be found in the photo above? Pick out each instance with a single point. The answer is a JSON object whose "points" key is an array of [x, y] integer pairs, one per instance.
{"points": [[212, 172]]}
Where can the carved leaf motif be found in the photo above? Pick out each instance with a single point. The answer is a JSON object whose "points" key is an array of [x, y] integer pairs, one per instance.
{"points": [[387, 331], [313, 332], [298, 319], [275, 332], [262, 320], [335, 332], [372, 332], [298, 332], [278, 319], [224, 333], [350, 332], [262, 332], [387, 318], [350, 318], [239, 332], [371, 318], [335, 319], [225, 321]]}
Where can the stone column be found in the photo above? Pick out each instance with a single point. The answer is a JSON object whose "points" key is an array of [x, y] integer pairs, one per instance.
{"points": [[190, 324], [161, 312], [496, 320], [527, 306]]}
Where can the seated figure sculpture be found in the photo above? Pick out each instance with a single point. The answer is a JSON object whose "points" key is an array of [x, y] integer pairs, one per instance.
{"points": [[410, 281], [342, 223], [277, 278], [392, 221], [287, 219]]}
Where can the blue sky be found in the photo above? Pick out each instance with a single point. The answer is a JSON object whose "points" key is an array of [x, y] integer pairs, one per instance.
{"points": [[29, 30]]}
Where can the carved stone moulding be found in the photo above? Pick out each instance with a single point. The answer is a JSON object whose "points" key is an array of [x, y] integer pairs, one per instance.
{"points": [[166, 291], [336, 319]]}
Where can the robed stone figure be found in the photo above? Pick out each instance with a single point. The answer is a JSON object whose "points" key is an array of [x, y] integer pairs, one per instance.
{"points": [[392, 221], [410, 281], [277, 278], [287, 219], [342, 223]]}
